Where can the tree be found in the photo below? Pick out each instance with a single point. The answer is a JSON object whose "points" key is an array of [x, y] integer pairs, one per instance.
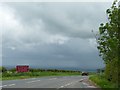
{"points": [[109, 43], [3, 69]]}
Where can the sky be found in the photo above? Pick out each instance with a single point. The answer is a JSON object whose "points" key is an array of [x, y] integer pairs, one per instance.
{"points": [[51, 34]]}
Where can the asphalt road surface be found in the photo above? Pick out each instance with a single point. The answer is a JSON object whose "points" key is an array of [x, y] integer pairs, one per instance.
{"points": [[49, 82]]}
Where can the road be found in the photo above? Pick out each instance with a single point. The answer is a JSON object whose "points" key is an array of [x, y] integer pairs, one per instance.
{"points": [[49, 82]]}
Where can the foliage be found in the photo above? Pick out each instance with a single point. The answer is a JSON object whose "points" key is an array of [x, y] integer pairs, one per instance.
{"points": [[50, 70], [101, 81], [109, 43], [3, 69], [8, 76], [108, 39], [13, 70]]}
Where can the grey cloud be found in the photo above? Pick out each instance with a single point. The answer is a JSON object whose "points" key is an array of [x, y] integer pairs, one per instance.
{"points": [[54, 55], [72, 19], [52, 34]]}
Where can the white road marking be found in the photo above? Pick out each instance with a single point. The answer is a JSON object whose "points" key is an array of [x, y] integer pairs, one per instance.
{"points": [[68, 84], [11, 84], [61, 86], [3, 86], [52, 78], [33, 81]]}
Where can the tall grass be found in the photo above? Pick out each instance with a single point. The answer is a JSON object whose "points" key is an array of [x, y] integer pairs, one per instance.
{"points": [[102, 82], [0, 76]]}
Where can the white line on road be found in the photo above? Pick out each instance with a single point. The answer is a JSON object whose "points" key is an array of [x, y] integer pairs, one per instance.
{"points": [[52, 78], [68, 84], [33, 81], [3, 86], [61, 86], [11, 84]]}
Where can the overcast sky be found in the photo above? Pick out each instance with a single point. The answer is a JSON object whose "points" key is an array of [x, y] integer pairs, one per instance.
{"points": [[51, 34]]}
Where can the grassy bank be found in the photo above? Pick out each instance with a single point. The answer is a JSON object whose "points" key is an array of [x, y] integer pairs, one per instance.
{"points": [[11, 76], [102, 82], [0, 76]]}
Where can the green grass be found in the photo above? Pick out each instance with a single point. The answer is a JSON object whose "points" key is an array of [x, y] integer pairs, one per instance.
{"points": [[0, 76], [11, 76], [102, 82]]}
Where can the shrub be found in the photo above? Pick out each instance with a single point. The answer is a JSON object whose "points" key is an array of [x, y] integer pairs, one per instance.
{"points": [[3, 69]]}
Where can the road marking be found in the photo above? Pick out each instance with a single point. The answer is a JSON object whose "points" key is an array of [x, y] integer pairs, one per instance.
{"points": [[3, 86], [52, 78], [61, 86], [33, 81], [11, 84], [68, 84]]}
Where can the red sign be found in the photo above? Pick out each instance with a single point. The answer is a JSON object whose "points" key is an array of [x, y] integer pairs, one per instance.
{"points": [[22, 68]]}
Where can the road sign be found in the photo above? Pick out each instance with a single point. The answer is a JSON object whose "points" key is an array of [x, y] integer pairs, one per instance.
{"points": [[22, 68]]}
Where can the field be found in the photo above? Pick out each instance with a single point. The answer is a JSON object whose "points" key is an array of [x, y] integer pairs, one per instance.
{"points": [[9, 75]]}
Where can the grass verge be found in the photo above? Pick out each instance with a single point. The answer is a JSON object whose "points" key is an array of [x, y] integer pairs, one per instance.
{"points": [[13, 76], [103, 83], [0, 76]]}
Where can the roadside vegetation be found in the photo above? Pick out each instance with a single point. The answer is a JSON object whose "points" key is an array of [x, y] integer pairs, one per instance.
{"points": [[0, 76], [108, 40], [12, 74], [102, 82]]}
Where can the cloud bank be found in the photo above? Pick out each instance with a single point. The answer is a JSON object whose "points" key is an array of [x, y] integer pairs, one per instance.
{"points": [[51, 34]]}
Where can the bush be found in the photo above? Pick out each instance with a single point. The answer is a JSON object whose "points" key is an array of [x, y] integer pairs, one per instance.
{"points": [[6, 74], [111, 72], [13, 70], [3, 69]]}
